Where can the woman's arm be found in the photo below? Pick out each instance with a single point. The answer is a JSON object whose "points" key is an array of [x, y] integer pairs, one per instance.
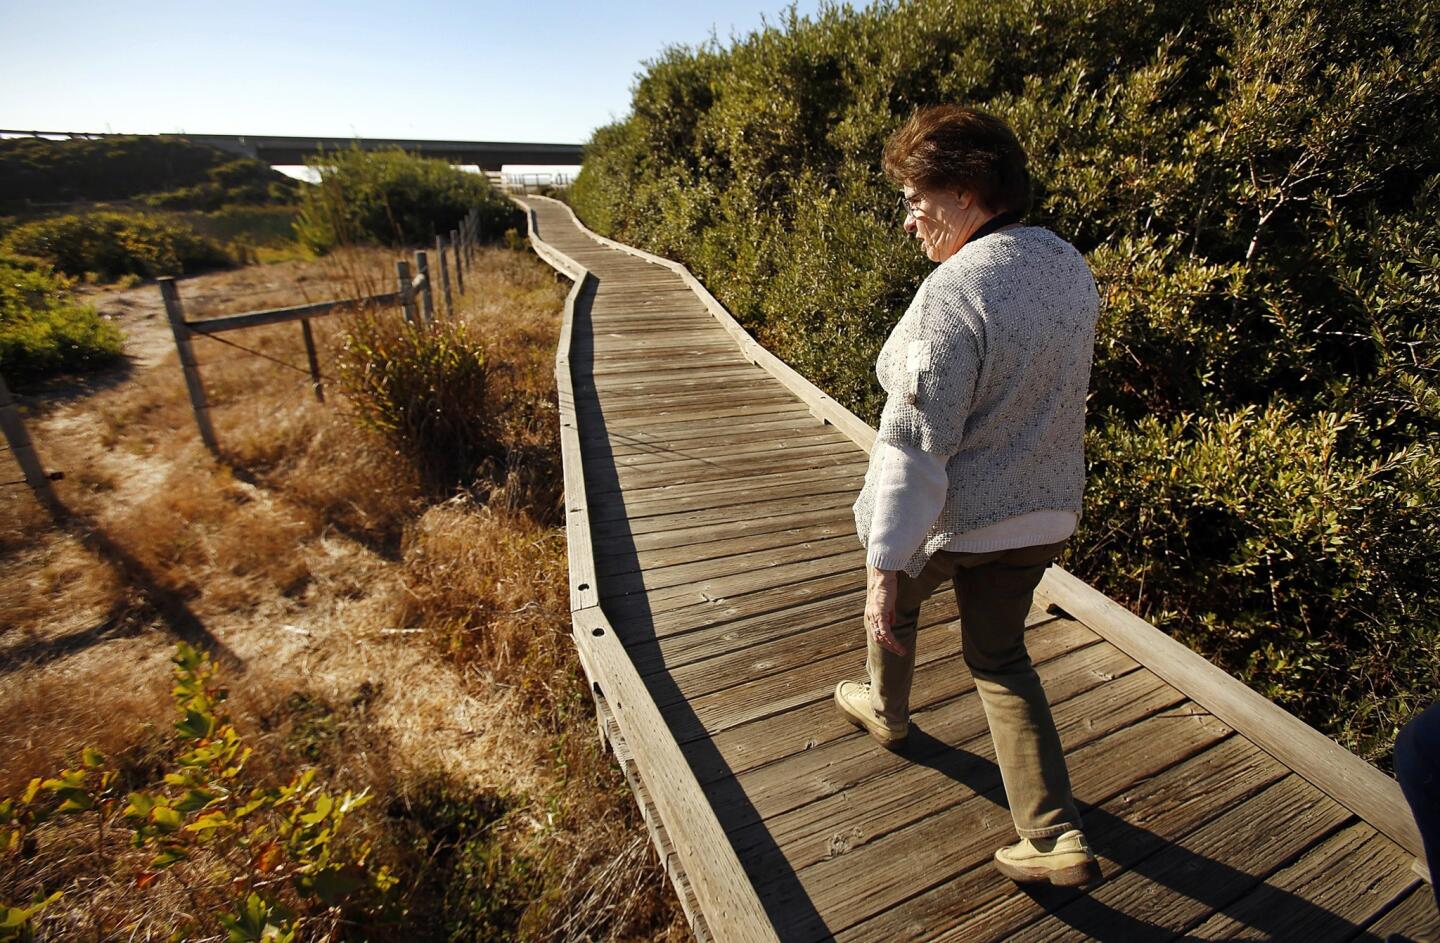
{"points": [[909, 497]]}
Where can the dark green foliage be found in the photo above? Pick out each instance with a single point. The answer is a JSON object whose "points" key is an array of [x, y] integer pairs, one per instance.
{"points": [[473, 883], [390, 197], [43, 330], [428, 390], [115, 244], [180, 174], [1257, 188], [242, 182]]}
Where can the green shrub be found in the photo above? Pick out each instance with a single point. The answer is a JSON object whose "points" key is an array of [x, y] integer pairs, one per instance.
{"points": [[44, 331], [115, 244], [240, 182], [267, 858], [390, 197], [1257, 188], [426, 389]]}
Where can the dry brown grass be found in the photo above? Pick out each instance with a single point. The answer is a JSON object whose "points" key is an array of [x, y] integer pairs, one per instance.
{"points": [[300, 553]]}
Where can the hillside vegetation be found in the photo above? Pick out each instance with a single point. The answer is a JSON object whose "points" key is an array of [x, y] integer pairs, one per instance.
{"points": [[165, 171], [1256, 188]]}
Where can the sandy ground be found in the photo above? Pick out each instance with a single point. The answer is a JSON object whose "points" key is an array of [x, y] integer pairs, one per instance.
{"points": [[329, 640]]}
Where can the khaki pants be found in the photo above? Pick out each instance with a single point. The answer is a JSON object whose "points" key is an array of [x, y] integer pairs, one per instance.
{"points": [[994, 591]]}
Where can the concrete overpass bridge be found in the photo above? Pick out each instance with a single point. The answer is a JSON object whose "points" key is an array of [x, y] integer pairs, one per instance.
{"points": [[283, 149]]}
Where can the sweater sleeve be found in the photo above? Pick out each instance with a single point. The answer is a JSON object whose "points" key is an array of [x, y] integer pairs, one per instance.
{"points": [[910, 494], [943, 353]]}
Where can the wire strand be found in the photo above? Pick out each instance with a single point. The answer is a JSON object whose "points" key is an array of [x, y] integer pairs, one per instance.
{"points": [[218, 339]]}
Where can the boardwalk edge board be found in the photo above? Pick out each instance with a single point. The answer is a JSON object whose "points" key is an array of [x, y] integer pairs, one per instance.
{"points": [[727, 901], [1325, 764], [1348, 779]]}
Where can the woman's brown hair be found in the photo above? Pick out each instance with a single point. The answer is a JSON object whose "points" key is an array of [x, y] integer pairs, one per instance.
{"points": [[959, 148]]}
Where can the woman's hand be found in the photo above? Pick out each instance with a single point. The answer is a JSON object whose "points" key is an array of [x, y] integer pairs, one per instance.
{"points": [[880, 608]]}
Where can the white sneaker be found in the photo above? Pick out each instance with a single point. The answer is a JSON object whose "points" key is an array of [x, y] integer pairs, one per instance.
{"points": [[1064, 860]]}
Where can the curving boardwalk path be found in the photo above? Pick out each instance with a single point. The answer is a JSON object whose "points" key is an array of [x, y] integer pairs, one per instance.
{"points": [[717, 588]]}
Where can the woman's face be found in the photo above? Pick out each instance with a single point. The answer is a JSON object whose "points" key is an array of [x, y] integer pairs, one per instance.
{"points": [[942, 219]]}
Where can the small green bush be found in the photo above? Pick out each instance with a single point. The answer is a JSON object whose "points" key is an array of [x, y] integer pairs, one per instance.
{"points": [[426, 389], [43, 331], [114, 244], [390, 197], [258, 860]]}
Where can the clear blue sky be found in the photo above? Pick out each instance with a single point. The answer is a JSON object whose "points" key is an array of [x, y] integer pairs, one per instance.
{"points": [[514, 71]]}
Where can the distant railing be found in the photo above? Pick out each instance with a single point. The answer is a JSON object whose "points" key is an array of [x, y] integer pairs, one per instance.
{"points": [[414, 294], [523, 182]]}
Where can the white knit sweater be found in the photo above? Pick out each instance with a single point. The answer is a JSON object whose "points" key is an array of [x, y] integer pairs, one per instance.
{"points": [[909, 497], [987, 372]]}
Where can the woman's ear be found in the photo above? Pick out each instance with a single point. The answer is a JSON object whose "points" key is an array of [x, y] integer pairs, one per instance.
{"points": [[965, 198]]}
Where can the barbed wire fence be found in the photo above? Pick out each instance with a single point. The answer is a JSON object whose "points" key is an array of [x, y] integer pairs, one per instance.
{"points": [[415, 294]]}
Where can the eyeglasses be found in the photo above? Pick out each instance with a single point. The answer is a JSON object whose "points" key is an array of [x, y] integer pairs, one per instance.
{"points": [[907, 203]]}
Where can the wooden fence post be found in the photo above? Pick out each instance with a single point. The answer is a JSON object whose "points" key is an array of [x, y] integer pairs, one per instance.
{"points": [[444, 276], [459, 262], [196, 389], [407, 291], [313, 358], [19, 440], [427, 293]]}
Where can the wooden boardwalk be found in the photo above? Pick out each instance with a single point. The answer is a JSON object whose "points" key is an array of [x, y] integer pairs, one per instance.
{"points": [[717, 588]]}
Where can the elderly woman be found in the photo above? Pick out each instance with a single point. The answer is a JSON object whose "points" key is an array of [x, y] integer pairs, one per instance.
{"points": [[978, 466]]}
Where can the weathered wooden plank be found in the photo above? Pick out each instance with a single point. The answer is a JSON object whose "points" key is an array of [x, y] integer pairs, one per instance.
{"points": [[1329, 894], [621, 546], [816, 723], [682, 473], [645, 501], [649, 453], [907, 792], [635, 620], [680, 584], [676, 414], [1128, 810], [803, 440], [696, 435], [726, 895], [753, 394], [659, 837], [1347, 778], [765, 568], [673, 530], [715, 551], [829, 884], [1087, 677], [1413, 918], [1205, 871], [693, 427], [754, 633]]}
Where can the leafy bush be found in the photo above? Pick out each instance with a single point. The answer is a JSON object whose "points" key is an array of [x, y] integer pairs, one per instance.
{"points": [[1257, 188], [256, 860], [391, 197], [43, 330], [426, 389], [115, 244]]}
